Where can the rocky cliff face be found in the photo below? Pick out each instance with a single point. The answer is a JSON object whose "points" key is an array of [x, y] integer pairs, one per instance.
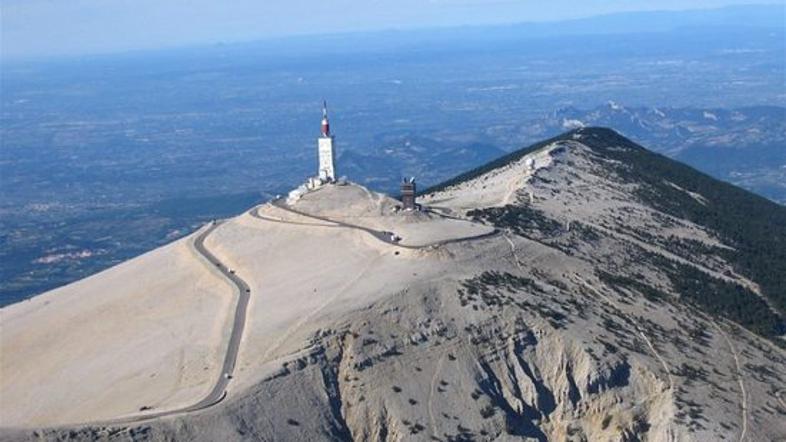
{"points": [[611, 305]]}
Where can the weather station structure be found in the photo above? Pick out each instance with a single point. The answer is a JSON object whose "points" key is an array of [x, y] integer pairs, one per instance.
{"points": [[408, 194]]}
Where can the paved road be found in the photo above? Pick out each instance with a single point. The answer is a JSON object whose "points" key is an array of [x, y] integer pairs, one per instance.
{"points": [[218, 393], [378, 234], [239, 323]]}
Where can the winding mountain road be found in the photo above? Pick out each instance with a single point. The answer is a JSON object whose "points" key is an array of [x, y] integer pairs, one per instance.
{"points": [[218, 392], [386, 237], [239, 322]]}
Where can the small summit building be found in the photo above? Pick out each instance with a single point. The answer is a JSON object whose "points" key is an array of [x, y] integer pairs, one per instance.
{"points": [[408, 192]]}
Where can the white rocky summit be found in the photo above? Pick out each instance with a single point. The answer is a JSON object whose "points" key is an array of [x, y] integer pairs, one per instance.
{"points": [[527, 301]]}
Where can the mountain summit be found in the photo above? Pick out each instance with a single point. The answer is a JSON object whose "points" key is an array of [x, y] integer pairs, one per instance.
{"points": [[580, 289]]}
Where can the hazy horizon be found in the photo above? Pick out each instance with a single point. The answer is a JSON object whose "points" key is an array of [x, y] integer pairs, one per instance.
{"points": [[42, 28]]}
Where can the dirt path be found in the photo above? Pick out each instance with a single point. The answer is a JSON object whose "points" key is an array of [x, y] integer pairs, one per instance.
{"points": [[513, 188], [434, 381], [743, 393], [641, 333], [513, 251]]}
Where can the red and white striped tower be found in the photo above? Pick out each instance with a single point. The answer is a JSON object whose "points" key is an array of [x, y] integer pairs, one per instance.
{"points": [[326, 151], [325, 122]]}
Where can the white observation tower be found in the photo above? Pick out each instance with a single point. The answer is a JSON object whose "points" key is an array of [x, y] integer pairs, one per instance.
{"points": [[326, 150]]}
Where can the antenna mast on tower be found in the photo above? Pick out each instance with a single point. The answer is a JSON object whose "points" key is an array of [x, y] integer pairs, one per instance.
{"points": [[325, 122]]}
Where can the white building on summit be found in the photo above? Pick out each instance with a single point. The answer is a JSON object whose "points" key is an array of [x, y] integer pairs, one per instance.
{"points": [[327, 152], [326, 173]]}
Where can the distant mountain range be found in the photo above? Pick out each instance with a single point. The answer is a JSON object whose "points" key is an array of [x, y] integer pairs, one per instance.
{"points": [[428, 158], [743, 146]]}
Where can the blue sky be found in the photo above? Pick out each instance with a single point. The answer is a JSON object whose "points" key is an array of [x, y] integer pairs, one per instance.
{"points": [[63, 27]]}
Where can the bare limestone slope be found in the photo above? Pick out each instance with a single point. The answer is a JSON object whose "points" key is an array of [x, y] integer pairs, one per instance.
{"points": [[145, 333], [563, 310]]}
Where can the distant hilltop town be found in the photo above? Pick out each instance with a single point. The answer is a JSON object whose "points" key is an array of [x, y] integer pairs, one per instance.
{"points": [[326, 172]]}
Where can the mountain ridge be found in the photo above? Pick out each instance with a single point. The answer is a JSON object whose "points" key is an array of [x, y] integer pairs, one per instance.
{"points": [[741, 145], [762, 246]]}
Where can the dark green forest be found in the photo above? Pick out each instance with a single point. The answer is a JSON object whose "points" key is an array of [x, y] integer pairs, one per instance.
{"points": [[753, 225]]}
